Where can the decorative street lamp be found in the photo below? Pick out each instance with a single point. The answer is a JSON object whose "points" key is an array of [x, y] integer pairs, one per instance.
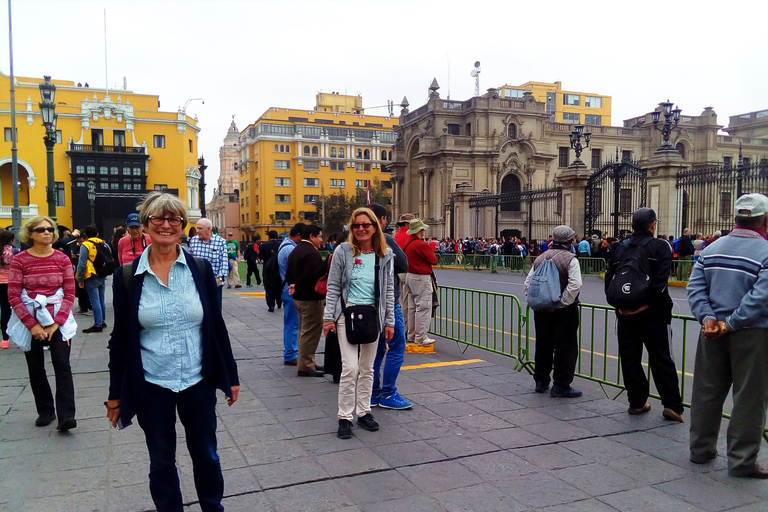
{"points": [[575, 138], [92, 199], [671, 118], [48, 112]]}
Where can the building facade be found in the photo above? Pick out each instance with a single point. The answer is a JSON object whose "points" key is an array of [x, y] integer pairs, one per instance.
{"points": [[290, 158], [117, 141], [564, 106], [509, 146], [224, 210]]}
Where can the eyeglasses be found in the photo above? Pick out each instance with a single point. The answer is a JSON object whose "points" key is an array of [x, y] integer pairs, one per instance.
{"points": [[41, 229], [364, 225], [172, 221]]}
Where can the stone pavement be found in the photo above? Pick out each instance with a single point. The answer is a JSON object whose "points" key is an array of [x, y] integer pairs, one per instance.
{"points": [[478, 439]]}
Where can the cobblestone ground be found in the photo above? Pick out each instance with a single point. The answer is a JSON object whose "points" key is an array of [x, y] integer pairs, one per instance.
{"points": [[478, 439]]}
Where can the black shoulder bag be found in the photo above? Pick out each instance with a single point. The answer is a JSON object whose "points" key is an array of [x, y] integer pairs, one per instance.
{"points": [[362, 321]]}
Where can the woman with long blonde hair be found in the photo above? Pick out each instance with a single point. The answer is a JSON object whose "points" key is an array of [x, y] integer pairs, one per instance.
{"points": [[353, 280]]}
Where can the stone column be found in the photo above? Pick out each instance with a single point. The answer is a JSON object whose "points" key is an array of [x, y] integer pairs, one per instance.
{"points": [[662, 195], [573, 181]]}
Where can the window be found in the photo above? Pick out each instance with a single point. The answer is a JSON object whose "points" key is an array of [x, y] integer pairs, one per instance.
{"points": [[468, 129], [359, 168], [257, 216], [103, 169], [597, 155], [282, 182], [551, 105], [341, 152], [746, 161], [571, 99], [311, 182], [384, 155], [333, 152], [310, 199], [626, 155], [386, 184], [114, 170], [453, 129], [625, 200], [247, 201], [513, 93], [60, 193], [282, 215], [337, 183], [190, 145], [126, 171], [512, 131], [118, 138], [727, 161], [366, 155], [247, 183], [242, 202], [334, 166], [97, 137], [593, 101], [680, 149], [306, 150], [563, 153], [277, 148], [58, 136], [9, 134], [361, 183], [592, 120], [367, 167], [315, 151], [242, 216], [570, 117], [91, 169], [282, 198], [725, 204], [159, 141], [137, 171], [114, 186], [282, 164], [311, 165]]}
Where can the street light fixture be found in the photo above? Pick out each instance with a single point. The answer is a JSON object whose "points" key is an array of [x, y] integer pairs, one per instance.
{"points": [[671, 118], [92, 200], [48, 113], [575, 138]]}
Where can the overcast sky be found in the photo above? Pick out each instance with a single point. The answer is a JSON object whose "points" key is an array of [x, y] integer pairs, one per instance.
{"points": [[243, 57]]}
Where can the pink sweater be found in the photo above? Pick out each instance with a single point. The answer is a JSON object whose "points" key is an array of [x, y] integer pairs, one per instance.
{"points": [[41, 276]]}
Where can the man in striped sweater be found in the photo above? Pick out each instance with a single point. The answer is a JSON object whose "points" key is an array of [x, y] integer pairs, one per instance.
{"points": [[727, 293]]}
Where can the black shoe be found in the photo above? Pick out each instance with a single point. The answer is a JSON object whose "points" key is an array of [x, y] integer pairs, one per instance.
{"points": [[336, 378], [319, 368], [271, 310], [104, 325], [44, 420], [368, 423], [93, 329], [314, 373], [541, 387], [345, 429], [292, 362], [279, 306], [66, 424]]}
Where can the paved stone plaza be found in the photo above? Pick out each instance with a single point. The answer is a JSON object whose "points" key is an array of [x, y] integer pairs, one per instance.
{"points": [[478, 439]]}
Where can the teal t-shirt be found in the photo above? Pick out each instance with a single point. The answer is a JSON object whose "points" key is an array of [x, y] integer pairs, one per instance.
{"points": [[362, 285], [232, 248]]}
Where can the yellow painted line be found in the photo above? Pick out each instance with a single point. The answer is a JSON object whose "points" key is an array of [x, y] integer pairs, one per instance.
{"points": [[254, 294], [437, 365]]}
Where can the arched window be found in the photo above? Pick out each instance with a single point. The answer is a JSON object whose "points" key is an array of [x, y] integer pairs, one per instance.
{"points": [[276, 148], [235, 167], [359, 153], [383, 155], [341, 152], [680, 149], [282, 148], [306, 150], [315, 151], [512, 131], [333, 152], [367, 154], [511, 185]]}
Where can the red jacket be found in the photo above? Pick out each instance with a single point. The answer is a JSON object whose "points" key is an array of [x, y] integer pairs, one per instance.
{"points": [[420, 256]]}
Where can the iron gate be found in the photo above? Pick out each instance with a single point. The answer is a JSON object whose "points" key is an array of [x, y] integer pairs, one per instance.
{"points": [[534, 212], [707, 195], [612, 193]]}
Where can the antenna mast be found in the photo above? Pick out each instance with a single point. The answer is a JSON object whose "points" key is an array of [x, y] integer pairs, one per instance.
{"points": [[476, 73], [449, 76], [106, 73]]}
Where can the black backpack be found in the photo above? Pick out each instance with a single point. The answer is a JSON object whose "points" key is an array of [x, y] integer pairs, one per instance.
{"points": [[493, 250], [103, 263], [273, 285], [630, 286]]}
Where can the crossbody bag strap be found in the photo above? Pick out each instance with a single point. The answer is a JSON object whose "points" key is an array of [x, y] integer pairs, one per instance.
{"points": [[376, 283]]}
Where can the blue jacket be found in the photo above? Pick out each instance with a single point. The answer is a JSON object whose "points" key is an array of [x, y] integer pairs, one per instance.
{"points": [[729, 282], [126, 372]]}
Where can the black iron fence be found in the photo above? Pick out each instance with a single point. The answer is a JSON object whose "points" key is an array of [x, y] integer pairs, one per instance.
{"points": [[531, 213], [611, 195]]}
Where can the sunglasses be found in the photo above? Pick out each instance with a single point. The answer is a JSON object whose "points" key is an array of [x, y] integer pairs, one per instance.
{"points": [[43, 230], [364, 225], [158, 221]]}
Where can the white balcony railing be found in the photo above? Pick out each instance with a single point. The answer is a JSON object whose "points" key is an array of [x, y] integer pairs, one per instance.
{"points": [[26, 211]]}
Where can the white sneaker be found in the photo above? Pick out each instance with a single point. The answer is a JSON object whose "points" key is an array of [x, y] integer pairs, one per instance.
{"points": [[426, 341]]}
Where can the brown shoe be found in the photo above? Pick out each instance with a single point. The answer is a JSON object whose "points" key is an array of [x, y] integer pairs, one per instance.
{"points": [[758, 472], [672, 415], [639, 410]]}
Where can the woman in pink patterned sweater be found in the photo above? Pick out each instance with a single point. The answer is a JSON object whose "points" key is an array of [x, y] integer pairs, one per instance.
{"points": [[41, 270]]}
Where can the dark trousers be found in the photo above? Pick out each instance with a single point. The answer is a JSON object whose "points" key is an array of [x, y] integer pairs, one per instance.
{"points": [[253, 268], [82, 298], [650, 329], [556, 345], [38, 379], [197, 412], [5, 309], [272, 299]]}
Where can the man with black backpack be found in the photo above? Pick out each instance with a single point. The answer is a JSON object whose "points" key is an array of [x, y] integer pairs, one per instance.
{"points": [[556, 326], [273, 287], [636, 285], [95, 264]]}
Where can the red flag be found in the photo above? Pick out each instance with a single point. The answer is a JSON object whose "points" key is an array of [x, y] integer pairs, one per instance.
{"points": [[368, 194]]}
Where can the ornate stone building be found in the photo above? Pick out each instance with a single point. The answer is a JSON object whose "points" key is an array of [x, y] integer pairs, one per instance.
{"points": [[224, 208], [450, 155]]}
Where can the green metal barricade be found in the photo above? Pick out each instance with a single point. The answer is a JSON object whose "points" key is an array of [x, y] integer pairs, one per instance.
{"points": [[592, 266]]}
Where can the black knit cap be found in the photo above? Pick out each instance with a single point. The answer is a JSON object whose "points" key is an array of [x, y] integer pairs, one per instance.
{"points": [[643, 218]]}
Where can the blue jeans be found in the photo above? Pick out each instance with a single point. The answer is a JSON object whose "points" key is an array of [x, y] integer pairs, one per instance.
{"points": [[394, 357], [290, 327], [197, 413], [94, 285]]}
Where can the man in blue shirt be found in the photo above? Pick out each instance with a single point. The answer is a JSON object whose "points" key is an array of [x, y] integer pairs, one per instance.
{"points": [[213, 248], [290, 314]]}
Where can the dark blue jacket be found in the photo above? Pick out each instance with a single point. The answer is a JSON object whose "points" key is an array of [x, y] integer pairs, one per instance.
{"points": [[126, 372]]}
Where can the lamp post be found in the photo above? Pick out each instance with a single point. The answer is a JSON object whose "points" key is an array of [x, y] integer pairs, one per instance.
{"points": [[48, 112], [92, 200], [575, 138], [671, 118]]}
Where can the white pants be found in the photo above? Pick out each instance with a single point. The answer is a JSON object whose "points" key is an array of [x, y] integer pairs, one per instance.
{"points": [[418, 314], [356, 371], [404, 304]]}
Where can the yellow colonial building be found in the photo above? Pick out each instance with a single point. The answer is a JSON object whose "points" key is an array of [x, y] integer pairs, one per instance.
{"points": [[289, 158], [564, 106], [116, 141]]}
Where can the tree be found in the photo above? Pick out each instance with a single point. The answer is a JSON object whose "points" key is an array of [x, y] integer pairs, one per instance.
{"points": [[379, 194], [336, 212]]}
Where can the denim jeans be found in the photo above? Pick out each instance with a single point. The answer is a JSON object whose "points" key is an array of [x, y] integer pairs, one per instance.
{"points": [[394, 355], [94, 285], [197, 413], [290, 327]]}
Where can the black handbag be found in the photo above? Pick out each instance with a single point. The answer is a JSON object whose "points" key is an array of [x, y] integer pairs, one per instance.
{"points": [[362, 321]]}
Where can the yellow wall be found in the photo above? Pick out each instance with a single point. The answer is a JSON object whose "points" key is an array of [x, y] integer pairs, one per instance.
{"points": [[540, 90]]}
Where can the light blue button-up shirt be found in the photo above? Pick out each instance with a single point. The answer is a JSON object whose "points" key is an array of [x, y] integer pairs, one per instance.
{"points": [[171, 318]]}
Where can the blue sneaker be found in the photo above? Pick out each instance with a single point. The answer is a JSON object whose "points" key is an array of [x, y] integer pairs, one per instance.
{"points": [[375, 400], [395, 401], [569, 392]]}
